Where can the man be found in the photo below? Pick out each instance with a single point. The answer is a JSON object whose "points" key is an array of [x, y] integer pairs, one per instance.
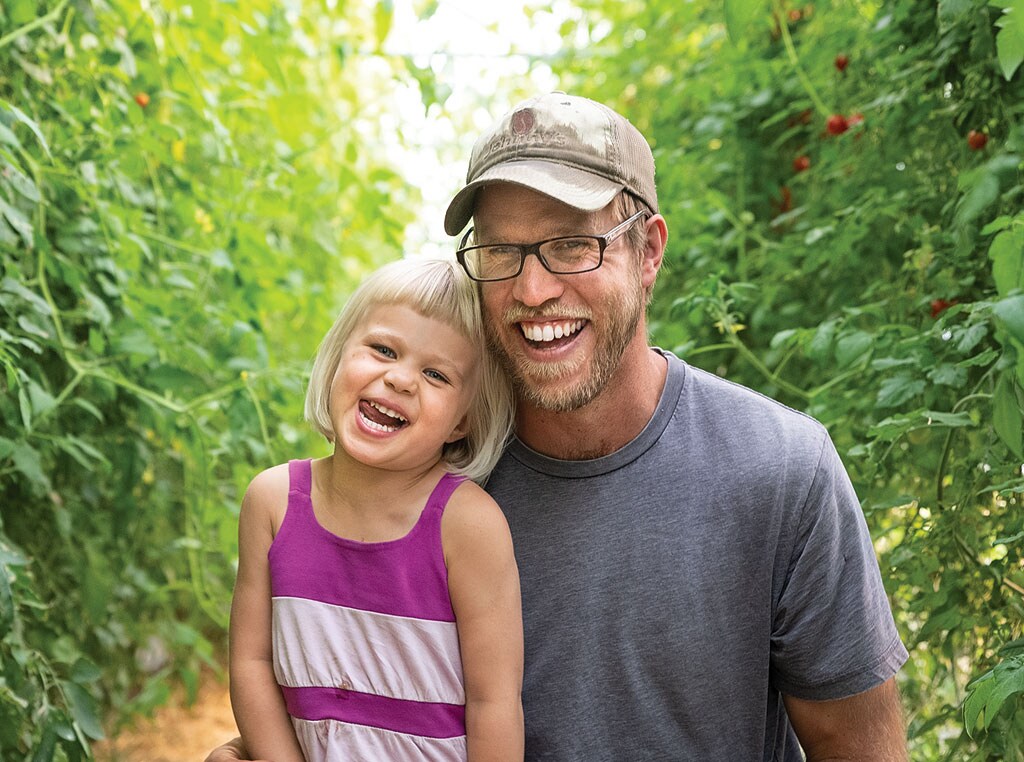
{"points": [[698, 581]]}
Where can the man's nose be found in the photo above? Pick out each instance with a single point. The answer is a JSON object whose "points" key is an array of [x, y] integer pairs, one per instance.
{"points": [[535, 285]]}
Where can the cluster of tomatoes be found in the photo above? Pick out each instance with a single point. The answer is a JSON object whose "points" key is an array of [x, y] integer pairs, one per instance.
{"points": [[837, 124]]}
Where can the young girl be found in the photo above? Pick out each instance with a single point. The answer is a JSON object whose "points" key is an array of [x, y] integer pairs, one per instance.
{"points": [[376, 614]]}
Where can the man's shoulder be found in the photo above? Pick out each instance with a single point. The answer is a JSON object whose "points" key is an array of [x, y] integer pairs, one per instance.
{"points": [[732, 407]]}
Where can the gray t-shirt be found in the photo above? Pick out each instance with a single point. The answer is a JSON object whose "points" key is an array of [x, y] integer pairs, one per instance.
{"points": [[673, 590]]}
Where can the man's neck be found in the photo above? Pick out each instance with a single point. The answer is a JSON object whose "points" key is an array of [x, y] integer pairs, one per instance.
{"points": [[609, 422]]}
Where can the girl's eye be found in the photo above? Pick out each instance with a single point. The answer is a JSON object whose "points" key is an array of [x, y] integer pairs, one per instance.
{"points": [[381, 349], [436, 376]]}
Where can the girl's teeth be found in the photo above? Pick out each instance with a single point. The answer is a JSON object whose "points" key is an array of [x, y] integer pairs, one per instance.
{"points": [[388, 411], [378, 426]]}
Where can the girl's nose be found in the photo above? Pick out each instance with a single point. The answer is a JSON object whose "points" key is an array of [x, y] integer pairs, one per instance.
{"points": [[400, 378]]}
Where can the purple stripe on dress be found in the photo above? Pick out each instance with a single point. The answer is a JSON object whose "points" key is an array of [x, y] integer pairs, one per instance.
{"points": [[406, 577], [414, 717]]}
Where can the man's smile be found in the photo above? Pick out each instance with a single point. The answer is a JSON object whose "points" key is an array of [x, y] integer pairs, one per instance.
{"points": [[547, 332]]}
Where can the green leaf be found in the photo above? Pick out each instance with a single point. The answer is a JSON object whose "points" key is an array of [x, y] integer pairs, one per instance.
{"points": [[12, 286], [948, 375], [895, 391], [1007, 255], [47, 745], [982, 189], [85, 672], [970, 337], [984, 358], [25, 406], [20, 116], [1009, 679], [20, 182], [7, 136], [852, 346], [951, 11], [941, 620], [1010, 43], [28, 462], [892, 427], [1011, 312], [952, 420], [17, 220], [999, 223], [978, 693], [383, 16], [1006, 415], [83, 710], [42, 401], [7, 611], [135, 341], [739, 14]]}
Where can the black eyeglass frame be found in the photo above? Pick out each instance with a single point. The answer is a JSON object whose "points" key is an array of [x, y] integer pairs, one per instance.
{"points": [[526, 249]]}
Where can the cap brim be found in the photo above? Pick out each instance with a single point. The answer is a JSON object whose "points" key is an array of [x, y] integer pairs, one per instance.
{"points": [[574, 187]]}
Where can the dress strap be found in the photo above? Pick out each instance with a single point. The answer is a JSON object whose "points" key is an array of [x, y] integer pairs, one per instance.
{"points": [[300, 476], [444, 489]]}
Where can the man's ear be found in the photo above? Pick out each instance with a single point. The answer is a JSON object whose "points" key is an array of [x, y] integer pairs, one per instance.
{"points": [[654, 250]]}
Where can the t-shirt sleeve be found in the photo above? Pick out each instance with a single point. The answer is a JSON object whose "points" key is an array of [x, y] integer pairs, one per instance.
{"points": [[833, 633]]}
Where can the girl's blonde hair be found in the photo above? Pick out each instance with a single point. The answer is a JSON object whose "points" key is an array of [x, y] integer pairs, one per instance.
{"points": [[438, 289]]}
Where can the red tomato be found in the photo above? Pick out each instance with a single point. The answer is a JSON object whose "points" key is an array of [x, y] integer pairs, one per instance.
{"points": [[142, 99], [976, 140], [837, 124], [842, 61], [801, 163]]}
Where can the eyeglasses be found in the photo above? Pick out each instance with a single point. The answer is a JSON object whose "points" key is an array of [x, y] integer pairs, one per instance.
{"points": [[566, 255]]}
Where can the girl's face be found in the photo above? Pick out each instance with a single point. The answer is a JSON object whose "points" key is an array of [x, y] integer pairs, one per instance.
{"points": [[402, 389]]}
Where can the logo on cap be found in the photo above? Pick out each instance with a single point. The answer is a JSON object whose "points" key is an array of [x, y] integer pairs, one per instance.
{"points": [[522, 121]]}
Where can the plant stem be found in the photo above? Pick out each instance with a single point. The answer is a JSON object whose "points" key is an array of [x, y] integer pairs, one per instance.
{"points": [[32, 25], [794, 59]]}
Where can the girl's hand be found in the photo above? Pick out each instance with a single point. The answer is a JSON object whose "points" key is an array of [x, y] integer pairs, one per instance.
{"points": [[232, 751]]}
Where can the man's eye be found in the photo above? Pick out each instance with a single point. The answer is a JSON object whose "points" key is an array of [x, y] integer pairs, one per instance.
{"points": [[502, 252], [572, 245]]}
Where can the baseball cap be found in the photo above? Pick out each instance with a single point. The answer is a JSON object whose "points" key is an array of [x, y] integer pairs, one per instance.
{"points": [[573, 149]]}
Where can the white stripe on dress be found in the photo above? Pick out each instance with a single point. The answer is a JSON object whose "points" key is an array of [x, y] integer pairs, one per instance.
{"points": [[334, 646], [362, 743]]}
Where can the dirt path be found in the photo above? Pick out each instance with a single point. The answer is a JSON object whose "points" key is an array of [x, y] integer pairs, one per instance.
{"points": [[177, 733]]}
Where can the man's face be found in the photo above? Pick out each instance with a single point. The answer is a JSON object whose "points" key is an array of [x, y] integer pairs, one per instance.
{"points": [[559, 337]]}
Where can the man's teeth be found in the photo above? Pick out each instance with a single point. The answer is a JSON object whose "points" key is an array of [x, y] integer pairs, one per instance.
{"points": [[550, 331]]}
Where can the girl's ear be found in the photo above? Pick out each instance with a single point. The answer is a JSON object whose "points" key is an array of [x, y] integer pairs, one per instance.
{"points": [[460, 430]]}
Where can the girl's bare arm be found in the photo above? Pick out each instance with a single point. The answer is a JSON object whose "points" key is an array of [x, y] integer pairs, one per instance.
{"points": [[483, 582], [255, 697]]}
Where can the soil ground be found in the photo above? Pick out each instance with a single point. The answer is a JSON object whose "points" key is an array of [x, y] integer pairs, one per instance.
{"points": [[176, 733]]}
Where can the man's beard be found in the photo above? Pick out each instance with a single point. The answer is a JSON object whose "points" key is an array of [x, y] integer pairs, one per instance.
{"points": [[620, 314]]}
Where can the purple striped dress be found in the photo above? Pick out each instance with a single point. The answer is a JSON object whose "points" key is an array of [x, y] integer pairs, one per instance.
{"points": [[366, 651]]}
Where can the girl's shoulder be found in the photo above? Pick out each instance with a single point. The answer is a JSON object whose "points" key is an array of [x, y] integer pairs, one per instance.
{"points": [[267, 495], [472, 516]]}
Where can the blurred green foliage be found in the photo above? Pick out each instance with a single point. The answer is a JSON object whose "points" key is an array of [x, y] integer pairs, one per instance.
{"points": [[187, 193], [842, 241]]}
